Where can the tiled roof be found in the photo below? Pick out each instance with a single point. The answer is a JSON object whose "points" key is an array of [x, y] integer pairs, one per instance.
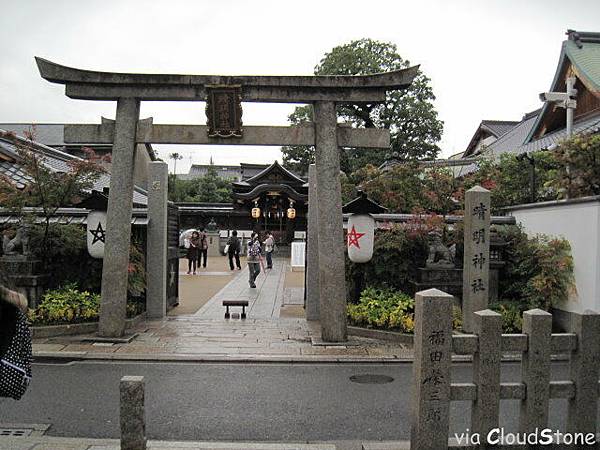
{"points": [[499, 127], [494, 128], [55, 160], [51, 134], [513, 141], [583, 50]]}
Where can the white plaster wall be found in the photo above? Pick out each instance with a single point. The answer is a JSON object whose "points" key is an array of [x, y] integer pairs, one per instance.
{"points": [[578, 223]]}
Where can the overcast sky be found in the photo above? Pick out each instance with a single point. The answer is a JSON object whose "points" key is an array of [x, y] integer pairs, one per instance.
{"points": [[486, 59]]}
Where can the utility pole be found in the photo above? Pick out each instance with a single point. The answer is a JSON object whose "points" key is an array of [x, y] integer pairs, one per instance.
{"points": [[565, 100]]}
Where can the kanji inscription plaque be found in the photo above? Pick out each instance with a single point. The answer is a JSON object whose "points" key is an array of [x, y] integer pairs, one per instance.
{"points": [[224, 111]]}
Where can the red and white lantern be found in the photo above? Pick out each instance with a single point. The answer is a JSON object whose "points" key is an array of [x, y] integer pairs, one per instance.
{"points": [[361, 227], [360, 237]]}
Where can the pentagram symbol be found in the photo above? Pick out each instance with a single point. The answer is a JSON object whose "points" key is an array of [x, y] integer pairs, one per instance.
{"points": [[353, 237], [98, 233]]}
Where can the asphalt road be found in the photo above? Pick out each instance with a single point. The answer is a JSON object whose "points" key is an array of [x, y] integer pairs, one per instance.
{"points": [[279, 402]]}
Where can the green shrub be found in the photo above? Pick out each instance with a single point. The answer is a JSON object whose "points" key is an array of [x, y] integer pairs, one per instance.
{"points": [[396, 256], [512, 315], [457, 319], [136, 279], [383, 308], [538, 271], [577, 173], [66, 258], [66, 305]]}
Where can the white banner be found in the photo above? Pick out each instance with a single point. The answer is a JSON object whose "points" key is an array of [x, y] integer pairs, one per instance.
{"points": [[298, 254], [96, 233]]}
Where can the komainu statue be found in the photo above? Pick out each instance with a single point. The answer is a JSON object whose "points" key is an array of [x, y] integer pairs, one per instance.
{"points": [[19, 242], [440, 256]]}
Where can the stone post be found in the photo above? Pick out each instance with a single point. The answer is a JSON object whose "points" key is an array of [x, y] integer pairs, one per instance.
{"points": [[431, 370], [118, 221], [535, 368], [476, 265], [133, 421], [585, 369], [312, 260], [156, 261], [332, 281], [486, 371]]}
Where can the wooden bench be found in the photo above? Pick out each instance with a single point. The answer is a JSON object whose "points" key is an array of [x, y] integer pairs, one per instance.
{"points": [[242, 303]]}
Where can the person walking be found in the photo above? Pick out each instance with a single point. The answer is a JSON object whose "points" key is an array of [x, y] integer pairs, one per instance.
{"points": [[233, 250], [269, 248], [192, 252], [203, 249], [254, 253]]}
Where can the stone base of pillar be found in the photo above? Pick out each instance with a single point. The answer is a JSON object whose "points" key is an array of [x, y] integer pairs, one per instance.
{"points": [[214, 246]]}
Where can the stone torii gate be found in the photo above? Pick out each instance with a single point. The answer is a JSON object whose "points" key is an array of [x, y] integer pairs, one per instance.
{"points": [[224, 95]]}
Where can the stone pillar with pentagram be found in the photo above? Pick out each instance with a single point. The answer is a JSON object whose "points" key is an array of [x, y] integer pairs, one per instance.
{"points": [[476, 265]]}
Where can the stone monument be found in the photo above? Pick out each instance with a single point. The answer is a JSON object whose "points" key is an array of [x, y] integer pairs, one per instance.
{"points": [[19, 269], [476, 262], [212, 236]]}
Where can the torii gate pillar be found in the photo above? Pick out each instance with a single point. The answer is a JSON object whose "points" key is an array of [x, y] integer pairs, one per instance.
{"points": [[118, 221], [332, 282]]}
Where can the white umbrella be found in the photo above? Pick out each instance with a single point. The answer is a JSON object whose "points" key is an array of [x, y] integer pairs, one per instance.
{"points": [[185, 236]]}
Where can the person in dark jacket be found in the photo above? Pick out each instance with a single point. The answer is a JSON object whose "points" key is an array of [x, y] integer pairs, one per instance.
{"points": [[254, 259], [234, 249], [193, 252], [203, 249]]}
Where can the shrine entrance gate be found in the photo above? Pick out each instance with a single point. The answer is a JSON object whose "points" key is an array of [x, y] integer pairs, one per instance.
{"points": [[223, 96]]}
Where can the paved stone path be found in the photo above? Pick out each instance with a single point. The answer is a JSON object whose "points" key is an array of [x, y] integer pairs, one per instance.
{"points": [[264, 301], [274, 330], [195, 339]]}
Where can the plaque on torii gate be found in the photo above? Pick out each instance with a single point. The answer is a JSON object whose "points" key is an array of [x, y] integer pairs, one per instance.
{"points": [[324, 92], [224, 111]]}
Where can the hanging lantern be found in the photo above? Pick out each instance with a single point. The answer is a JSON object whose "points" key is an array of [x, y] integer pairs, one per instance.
{"points": [[291, 212], [361, 227], [255, 211], [96, 229], [361, 235]]}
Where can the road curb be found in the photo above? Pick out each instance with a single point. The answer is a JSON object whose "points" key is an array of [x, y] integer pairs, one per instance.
{"points": [[65, 357]]}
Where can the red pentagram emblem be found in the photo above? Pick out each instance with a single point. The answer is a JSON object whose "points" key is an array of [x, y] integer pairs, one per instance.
{"points": [[353, 237]]}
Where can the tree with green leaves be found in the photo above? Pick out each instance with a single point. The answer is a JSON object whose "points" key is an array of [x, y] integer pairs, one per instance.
{"points": [[47, 189], [209, 188], [409, 114], [175, 157]]}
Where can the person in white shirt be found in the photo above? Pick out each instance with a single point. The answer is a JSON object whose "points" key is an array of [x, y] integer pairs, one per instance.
{"points": [[269, 247]]}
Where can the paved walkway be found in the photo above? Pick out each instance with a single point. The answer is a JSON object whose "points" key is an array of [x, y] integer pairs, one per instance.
{"points": [[264, 301], [275, 330]]}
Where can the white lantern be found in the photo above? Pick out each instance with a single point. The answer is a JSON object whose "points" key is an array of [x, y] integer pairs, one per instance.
{"points": [[361, 227], [96, 233], [360, 237]]}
